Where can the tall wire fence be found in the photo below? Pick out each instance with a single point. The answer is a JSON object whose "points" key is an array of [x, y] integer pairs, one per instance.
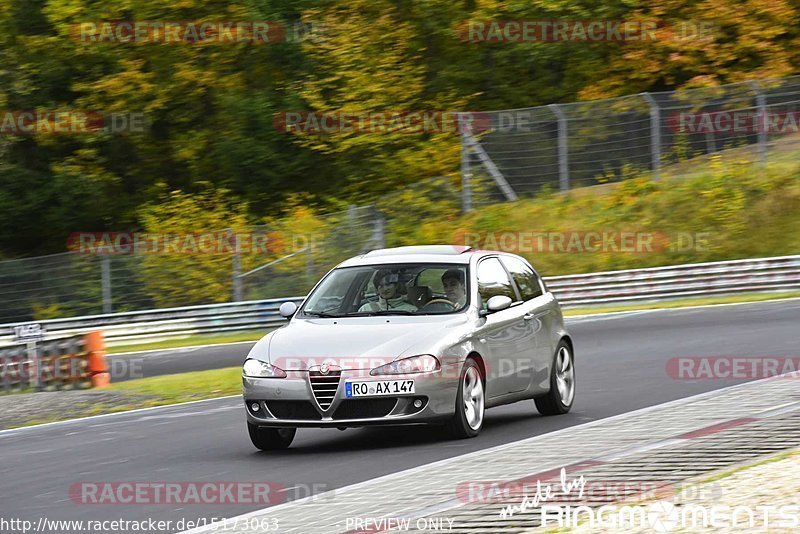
{"points": [[506, 155], [565, 146], [285, 262]]}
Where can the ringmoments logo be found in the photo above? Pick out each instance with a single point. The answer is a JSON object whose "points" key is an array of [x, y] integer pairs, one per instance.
{"points": [[665, 516]]}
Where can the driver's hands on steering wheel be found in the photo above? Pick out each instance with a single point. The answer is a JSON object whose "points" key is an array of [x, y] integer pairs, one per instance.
{"points": [[439, 301]]}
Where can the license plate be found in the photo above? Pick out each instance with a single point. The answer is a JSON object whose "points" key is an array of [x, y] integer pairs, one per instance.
{"points": [[378, 389]]}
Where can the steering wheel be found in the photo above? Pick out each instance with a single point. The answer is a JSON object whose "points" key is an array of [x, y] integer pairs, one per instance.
{"points": [[438, 305]]}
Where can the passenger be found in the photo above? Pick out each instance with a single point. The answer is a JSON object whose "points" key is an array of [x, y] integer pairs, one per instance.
{"points": [[455, 288], [390, 294]]}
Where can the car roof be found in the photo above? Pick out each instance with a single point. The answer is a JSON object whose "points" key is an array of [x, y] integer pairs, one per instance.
{"points": [[415, 254]]}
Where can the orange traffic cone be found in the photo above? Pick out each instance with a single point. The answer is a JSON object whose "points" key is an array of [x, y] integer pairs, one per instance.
{"points": [[98, 365]]}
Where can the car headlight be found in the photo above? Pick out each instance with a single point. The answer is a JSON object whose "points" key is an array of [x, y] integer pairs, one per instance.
{"points": [[424, 363], [258, 369]]}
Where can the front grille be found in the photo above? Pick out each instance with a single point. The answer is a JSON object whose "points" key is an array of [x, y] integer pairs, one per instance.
{"points": [[324, 386], [364, 408], [293, 410]]}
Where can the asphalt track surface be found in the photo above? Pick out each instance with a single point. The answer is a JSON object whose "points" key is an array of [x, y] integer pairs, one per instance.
{"points": [[621, 366]]}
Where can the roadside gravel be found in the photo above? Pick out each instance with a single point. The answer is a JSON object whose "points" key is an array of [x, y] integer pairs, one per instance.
{"points": [[23, 409]]}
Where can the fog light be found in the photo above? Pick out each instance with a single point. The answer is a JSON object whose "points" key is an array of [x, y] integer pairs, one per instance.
{"points": [[418, 403], [255, 407]]}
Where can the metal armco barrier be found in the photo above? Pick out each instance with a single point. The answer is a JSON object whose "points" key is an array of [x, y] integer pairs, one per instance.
{"points": [[634, 285], [678, 281], [75, 362]]}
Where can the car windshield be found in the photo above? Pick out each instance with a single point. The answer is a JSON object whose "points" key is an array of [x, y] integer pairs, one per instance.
{"points": [[396, 289]]}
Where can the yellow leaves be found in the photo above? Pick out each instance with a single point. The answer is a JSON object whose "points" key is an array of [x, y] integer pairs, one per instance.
{"points": [[725, 40]]}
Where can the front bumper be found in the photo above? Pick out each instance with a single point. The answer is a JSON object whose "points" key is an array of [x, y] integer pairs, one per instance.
{"points": [[290, 401]]}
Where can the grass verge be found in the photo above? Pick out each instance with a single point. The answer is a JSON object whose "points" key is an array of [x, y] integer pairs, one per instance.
{"points": [[164, 390], [184, 387], [682, 303], [189, 341]]}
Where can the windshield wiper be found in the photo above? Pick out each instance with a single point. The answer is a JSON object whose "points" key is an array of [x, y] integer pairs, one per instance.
{"points": [[380, 312], [320, 314]]}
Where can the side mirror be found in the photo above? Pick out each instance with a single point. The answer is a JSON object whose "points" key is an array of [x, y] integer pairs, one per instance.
{"points": [[497, 303], [287, 309]]}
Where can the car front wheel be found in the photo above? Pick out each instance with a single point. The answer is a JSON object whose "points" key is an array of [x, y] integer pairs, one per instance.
{"points": [[468, 419], [271, 439], [562, 383]]}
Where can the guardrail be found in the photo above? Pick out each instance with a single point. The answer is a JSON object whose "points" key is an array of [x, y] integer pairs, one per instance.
{"points": [[155, 325], [678, 281], [633, 285], [72, 362]]}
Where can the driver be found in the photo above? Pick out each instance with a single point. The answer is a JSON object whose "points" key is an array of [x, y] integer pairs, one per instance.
{"points": [[454, 287], [390, 294]]}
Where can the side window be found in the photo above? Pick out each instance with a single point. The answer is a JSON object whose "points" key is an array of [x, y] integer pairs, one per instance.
{"points": [[525, 278], [493, 280]]}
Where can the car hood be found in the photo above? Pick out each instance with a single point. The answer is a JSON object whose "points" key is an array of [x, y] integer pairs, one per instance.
{"points": [[356, 343]]}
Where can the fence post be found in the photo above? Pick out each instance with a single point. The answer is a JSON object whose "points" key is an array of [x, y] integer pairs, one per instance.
{"points": [[310, 264], [655, 135], [466, 172], [563, 148], [236, 264], [379, 235], [761, 104], [105, 283]]}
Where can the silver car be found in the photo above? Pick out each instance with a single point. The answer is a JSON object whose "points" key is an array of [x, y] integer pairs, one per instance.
{"points": [[427, 334]]}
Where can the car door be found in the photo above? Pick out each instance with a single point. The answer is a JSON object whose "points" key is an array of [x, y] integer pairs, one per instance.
{"points": [[538, 316], [504, 334]]}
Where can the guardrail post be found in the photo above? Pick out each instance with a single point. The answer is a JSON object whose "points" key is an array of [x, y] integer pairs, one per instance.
{"points": [[563, 148], [655, 135], [35, 367], [105, 283]]}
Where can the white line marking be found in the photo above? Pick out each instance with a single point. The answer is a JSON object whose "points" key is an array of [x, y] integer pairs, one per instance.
{"points": [[622, 453], [779, 410], [179, 349], [680, 308], [81, 419]]}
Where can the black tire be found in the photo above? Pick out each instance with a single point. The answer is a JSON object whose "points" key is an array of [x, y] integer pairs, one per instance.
{"points": [[459, 426], [270, 439], [552, 403]]}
